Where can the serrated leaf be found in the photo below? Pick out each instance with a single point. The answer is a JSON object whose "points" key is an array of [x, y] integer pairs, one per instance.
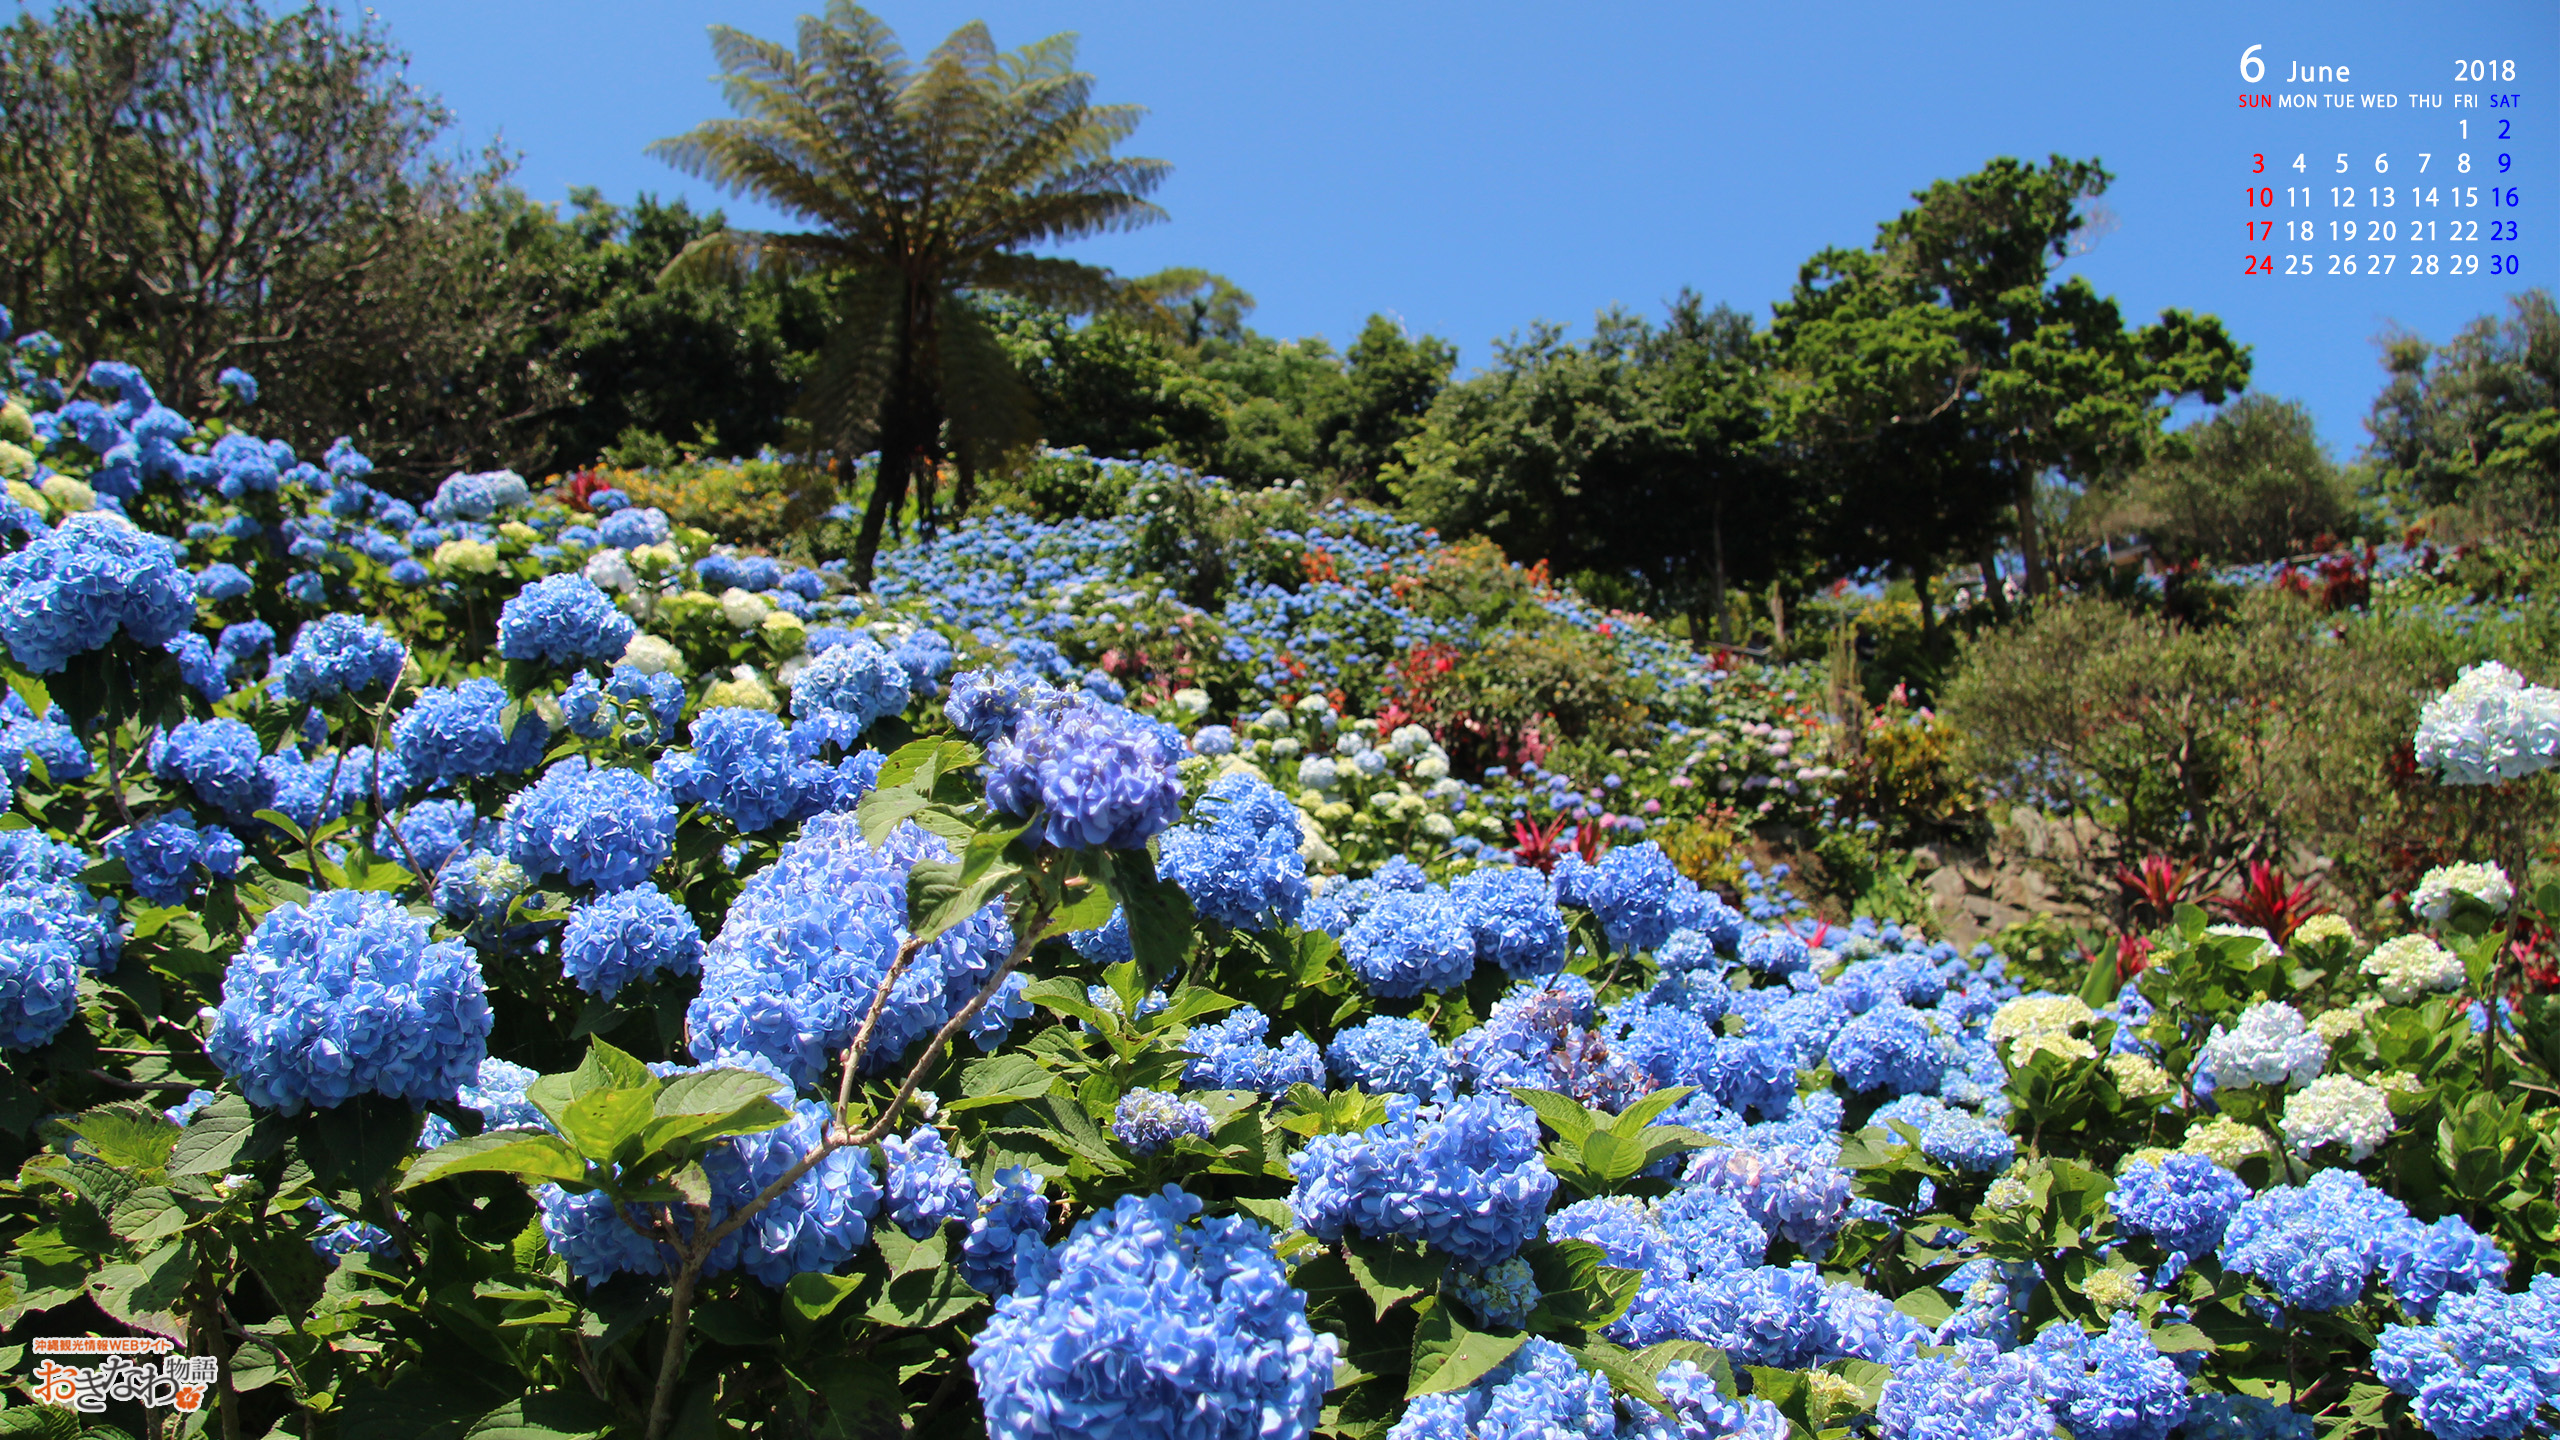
{"points": [[524, 1153], [1088, 907], [225, 1133], [147, 1294], [601, 1122], [147, 1217], [1161, 921], [1390, 1275], [1447, 1355], [126, 1138], [1561, 1113], [1065, 996], [547, 1415], [1631, 1121]]}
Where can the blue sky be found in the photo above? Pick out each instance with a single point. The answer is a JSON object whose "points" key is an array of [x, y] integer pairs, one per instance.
{"points": [[1472, 167]]}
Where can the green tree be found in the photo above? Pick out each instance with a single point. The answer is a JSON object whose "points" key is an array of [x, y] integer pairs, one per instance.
{"points": [[2476, 422], [928, 185], [2251, 483], [2049, 375], [669, 363], [1392, 378]]}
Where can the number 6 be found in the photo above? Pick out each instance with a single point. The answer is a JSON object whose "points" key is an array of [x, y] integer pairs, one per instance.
{"points": [[2382, 164], [2252, 69]]}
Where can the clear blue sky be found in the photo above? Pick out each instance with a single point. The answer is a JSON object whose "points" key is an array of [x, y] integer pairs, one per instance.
{"points": [[1471, 167]]}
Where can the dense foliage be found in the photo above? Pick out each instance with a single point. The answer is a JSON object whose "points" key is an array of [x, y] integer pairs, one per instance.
{"points": [[520, 965]]}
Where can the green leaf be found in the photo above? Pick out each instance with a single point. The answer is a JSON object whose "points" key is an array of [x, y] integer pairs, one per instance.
{"points": [[147, 1217], [1001, 1080], [1632, 1120], [1088, 908], [601, 1122], [1449, 1356], [525, 1153], [226, 1133], [1561, 1113], [127, 1138], [1188, 1003], [1929, 1305], [1390, 1275], [813, 1295], [607, 1068], [1161, 933], [147, 1294], [546, 1415], [924, 1286], [1578, 1287], [1065, 996], [944, 893]]}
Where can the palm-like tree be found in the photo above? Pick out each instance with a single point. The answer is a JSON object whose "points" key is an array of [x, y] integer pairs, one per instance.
{"points": [[922, 186]]}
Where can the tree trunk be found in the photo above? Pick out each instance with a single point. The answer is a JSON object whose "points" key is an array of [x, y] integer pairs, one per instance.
{"points": [[1715, 577], [2030, 534], [1992, 588], [910, 423], [1928, 606]]}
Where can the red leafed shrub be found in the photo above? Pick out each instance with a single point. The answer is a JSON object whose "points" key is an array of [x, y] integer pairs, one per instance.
{"points": [[2269, 901]]}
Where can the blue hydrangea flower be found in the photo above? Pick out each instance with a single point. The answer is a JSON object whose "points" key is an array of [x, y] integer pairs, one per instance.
{"points": [[1390, 1055], [1232, 1055], [808, 941], [340, 653], [741, 767], [1790, 1191], [1148, 1120], [927, 1188], [162, 855], [1094, 775], [985, 704], [345, 996], [1700, 1411], [628, 529], [2425, 1263], [1238, 857], [1540, 1391], [603, 827], [565, 620], [1506, 1295], [856, 678], [453, 734], [1149, 1322], [76, 587], [2111, 1386], [1465, 1178], [1976, 1394], [432, 832], [1511, 911], [2184, 1202], [1411, 941], [2488, 1368], [198, 669], [1633, 892], [242, 386], [642, 697], [1011, 1219], [1892, 1048], [222, 580], [2314, 1244], [218, 759], [1952, 1137], [51, 929], [627, 935]]}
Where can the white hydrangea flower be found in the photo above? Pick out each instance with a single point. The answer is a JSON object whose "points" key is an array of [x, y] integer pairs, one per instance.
{"points": [[2069, 1047], [653, 655], [2320, 928], [2007, 1192], [2140, 1077], [610, 570], [1317, 772], [2039, 1015], [743, 609], [2412, 965], [2485, 883], [2266, 942], [1314, 705], [2272, 1045], [1409, 740], [1286, 748], [2336, 1025], [2113, 1289], [1434, 765], [2224, 1141], [1192, 702], [2338, 1110], [1439, 827], [2489, 726]]}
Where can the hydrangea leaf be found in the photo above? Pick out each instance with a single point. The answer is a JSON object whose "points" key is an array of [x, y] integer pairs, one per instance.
{"points": [[1577, 1286], [514, 1152], [545, 1415], [1390, 1275], [1161, 930], [1447, 1355], [225, 1133], [127, 1137]]}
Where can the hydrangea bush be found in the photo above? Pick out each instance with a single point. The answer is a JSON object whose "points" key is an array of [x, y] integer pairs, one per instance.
{"points": [[503, 963]]}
